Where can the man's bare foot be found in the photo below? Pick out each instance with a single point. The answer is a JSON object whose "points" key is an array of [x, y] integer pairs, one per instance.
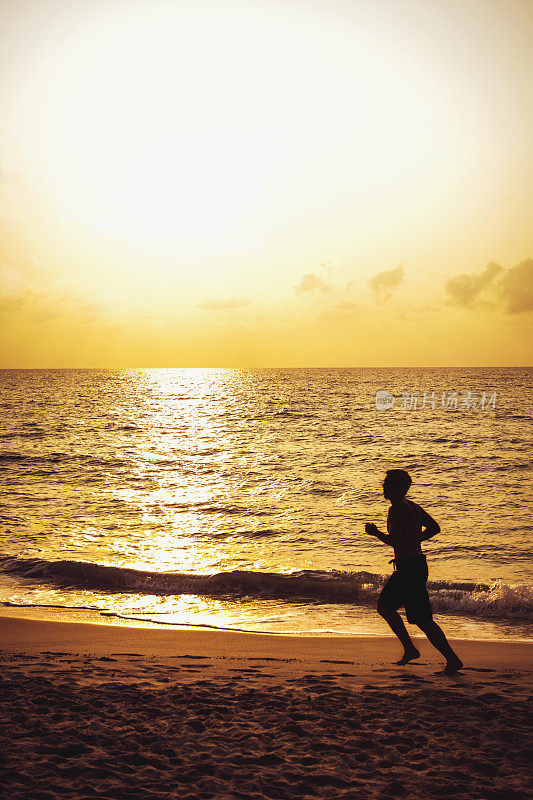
{"points": [[409, 655], [453, 666]]}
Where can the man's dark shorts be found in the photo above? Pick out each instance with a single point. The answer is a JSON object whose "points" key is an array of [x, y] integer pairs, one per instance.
{"points": [[407, 587]]}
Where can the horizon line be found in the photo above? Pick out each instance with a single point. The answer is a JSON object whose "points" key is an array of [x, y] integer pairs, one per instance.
{"points": [[280, 367]]}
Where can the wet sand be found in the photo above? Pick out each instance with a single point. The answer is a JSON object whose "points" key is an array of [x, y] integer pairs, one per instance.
{"points": [[106, 711]]}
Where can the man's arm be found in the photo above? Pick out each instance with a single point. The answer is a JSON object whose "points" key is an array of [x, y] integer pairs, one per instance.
{"points": [[374, 531], [431, 527]]}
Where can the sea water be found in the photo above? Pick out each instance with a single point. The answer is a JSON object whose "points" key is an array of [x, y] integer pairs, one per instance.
{"points": [[237, 498]]}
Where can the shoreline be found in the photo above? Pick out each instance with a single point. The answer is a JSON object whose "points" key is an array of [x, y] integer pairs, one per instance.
{"points": [[81, 616], [18, 633]]}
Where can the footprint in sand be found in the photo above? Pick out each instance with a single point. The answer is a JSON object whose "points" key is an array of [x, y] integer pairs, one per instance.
{"points": [[267, 659], [53, 653], [189, 656], [23, 656], [477, 669]]}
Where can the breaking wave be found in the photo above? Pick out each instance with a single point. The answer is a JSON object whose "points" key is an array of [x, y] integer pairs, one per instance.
{"points": [[496, 600]]}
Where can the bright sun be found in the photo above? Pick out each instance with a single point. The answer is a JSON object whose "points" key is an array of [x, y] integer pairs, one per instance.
{"points": [[150, 135], [178, 121]]}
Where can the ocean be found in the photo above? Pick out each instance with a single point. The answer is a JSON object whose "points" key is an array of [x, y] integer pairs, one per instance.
{"points": [[237, 498]]}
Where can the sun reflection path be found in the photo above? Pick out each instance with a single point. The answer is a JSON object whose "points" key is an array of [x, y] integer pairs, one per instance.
{"points": [[191, 483]]}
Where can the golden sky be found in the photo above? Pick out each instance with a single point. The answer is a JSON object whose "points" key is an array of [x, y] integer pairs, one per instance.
{"points": [[281, 183]]}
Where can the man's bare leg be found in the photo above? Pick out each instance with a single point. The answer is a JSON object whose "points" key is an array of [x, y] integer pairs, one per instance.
{"points": [[396, 624], [436, 636]]}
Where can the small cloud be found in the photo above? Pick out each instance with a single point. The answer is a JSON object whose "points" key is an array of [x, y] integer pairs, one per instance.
{"points": [[222, 305], [516, 287], [34, 308], [313, 283], [384, 283], [511, 288], [37, 302], [465, 290]]}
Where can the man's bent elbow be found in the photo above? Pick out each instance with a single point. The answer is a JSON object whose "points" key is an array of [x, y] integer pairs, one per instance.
{"points": [[429, 532]]}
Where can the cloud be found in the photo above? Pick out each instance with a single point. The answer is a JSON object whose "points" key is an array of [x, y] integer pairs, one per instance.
{"points": [[516, 287], [384, 283], [222, 305], [31, 307], [511, 288], [22, 301], [465, 290], [313, 283]]}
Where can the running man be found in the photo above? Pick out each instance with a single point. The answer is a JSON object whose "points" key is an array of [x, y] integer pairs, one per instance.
{"points": [[407, 585]]}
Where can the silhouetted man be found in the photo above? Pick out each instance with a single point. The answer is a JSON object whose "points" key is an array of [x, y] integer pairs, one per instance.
{"points": [[407, 585]]}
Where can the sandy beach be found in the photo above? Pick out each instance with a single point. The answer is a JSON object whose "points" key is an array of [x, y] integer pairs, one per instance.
{"points": [[107, 711]]}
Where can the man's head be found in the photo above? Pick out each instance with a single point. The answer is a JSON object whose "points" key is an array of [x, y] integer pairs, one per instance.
{"points": [[396, 484]]}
